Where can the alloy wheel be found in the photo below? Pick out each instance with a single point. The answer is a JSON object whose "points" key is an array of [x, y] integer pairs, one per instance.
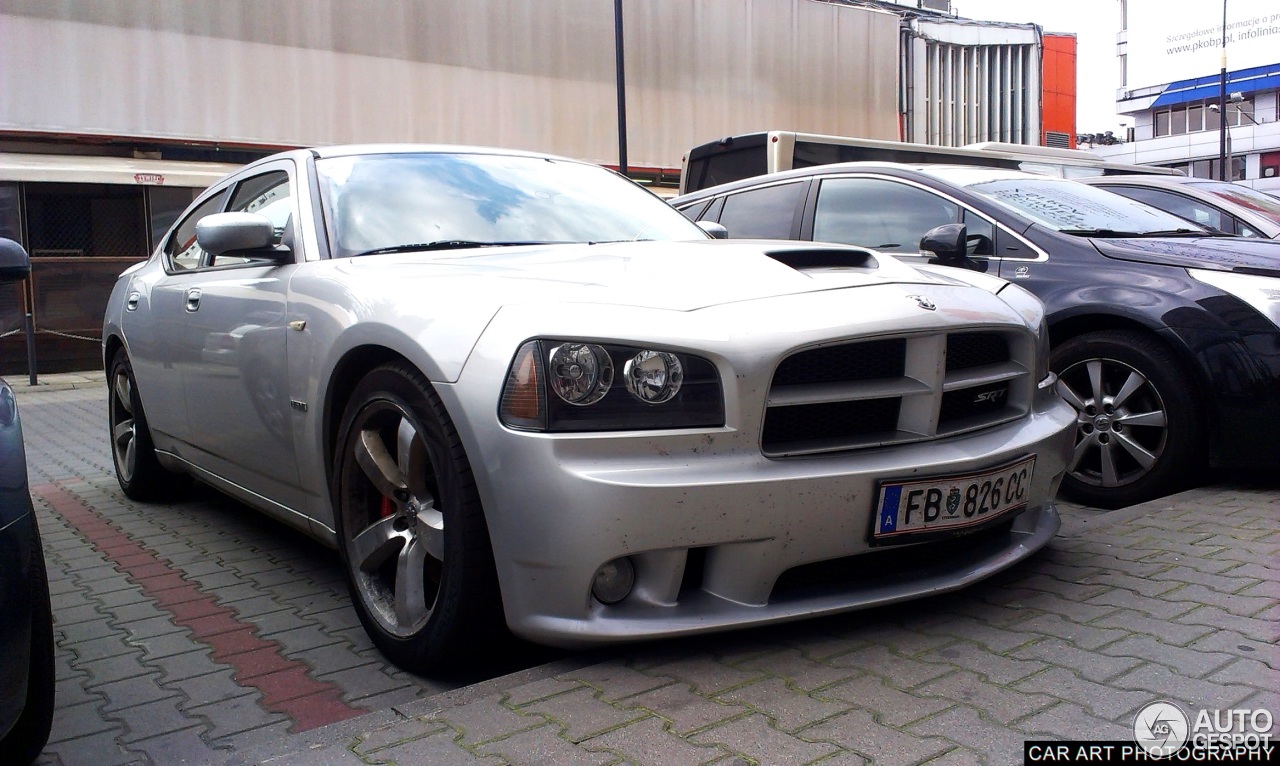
{"points": [[124, 426], [394, 531], [1121, 426]]}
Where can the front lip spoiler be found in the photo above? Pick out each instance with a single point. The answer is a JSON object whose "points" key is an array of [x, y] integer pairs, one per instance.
{"points": [[704, 612]]}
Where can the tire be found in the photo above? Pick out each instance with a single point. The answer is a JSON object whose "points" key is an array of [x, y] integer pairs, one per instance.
{"points": [[1138, 432], [411, 531], [134, 455], [30, 731]]}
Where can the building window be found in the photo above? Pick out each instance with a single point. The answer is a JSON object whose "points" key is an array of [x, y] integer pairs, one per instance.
{"points": [[1197, 116], [1209, 168]]}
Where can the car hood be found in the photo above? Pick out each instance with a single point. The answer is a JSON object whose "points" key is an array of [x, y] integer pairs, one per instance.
{"points": [[1254, 256], [678, 276]]}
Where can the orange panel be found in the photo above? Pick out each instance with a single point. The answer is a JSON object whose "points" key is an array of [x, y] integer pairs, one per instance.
{"points": [[1058, 85]]}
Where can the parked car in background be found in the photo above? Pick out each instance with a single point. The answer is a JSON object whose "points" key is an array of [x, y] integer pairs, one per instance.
{"points": [[1221, 206], [1165, 338], [26, 620], [515, 390]]}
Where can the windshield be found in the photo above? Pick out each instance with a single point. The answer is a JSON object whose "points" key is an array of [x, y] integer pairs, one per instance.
{"points": [[1066, 205], [389, 201], [1263, 204]]}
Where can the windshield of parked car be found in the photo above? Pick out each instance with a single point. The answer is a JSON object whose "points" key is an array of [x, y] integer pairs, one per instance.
{"points": [[446, 201], [1068, 206], [1251, 199]]}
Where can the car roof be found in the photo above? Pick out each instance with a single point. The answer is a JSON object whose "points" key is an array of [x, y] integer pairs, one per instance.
{"points": [[353, 150], [836, 168], [1148, 180]]}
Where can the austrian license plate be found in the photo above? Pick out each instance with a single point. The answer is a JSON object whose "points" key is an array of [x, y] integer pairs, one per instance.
{"points": [[952, 502]]}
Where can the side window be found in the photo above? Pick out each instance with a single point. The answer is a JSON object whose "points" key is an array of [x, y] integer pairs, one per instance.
{"points": [[765, 213], [182, 252], [268, 195], [981, 232], [693, 211], [1243, 229], [1183, 207], [880, 214]]}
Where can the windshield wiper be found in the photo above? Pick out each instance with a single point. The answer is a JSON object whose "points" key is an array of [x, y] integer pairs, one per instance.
{"points": [[442, 244], [1134, 234], [1100, 233]]}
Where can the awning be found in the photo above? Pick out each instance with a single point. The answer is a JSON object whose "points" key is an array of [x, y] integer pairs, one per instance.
{"points": [[1210, 87], [60, 168]]}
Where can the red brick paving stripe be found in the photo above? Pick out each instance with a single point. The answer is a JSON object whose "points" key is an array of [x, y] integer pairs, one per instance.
{"points": [[259, 662]]}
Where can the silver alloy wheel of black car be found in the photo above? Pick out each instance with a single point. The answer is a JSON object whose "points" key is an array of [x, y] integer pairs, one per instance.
{"points": [[1137, 426], [1120, 422], [411, 529], [396, 547]]}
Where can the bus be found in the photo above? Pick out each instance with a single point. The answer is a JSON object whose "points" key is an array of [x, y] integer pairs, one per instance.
{"points": [[752, 154], [83, 219]]}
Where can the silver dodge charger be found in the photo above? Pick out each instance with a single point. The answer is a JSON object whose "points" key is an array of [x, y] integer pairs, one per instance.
{"points": [[518, 392]]}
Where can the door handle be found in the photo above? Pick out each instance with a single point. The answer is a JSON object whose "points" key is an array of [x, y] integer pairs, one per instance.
{"points": [[131, 303], [193, 299]]}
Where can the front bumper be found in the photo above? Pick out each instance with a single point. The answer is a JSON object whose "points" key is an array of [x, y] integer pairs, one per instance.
{"points": [[721, 536]]}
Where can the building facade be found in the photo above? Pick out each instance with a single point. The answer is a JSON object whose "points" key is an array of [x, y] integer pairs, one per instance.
{"points": [[102, 104], [1170, 87]]}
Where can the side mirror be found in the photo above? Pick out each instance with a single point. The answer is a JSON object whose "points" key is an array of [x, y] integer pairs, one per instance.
{"points": [[949, 245], [240, 234], [717, 231], [15, 265]]}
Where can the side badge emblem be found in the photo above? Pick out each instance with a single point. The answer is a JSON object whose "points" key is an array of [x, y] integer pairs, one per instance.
{"points": [[923, 302], [1023, 272]]}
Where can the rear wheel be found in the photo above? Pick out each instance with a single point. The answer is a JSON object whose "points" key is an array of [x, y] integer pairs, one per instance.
{"points": [[411, 530], [139, 472], [1137, 431]]}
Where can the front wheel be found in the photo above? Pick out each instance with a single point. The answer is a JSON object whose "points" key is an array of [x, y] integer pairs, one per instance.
{"points": [[411, 529], [1137, 430]]}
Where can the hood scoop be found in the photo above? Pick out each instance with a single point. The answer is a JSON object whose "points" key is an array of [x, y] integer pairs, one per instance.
{"points": [[824, 258]]}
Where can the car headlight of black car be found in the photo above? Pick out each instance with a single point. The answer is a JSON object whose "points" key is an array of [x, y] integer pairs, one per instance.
{"points": [[1262, 293], [570, 385]]}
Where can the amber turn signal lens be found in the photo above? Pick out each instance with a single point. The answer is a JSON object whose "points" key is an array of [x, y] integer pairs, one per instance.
{"points": [[522, 396]]}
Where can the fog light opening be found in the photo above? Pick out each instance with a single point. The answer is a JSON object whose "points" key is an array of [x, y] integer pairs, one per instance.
{"points": [[614, 581]]}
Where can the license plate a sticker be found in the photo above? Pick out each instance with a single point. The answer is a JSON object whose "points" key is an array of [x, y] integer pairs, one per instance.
{"points": [[952, 502]]}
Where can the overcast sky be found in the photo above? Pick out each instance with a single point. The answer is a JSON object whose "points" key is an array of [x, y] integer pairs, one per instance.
{"points": [[1095, 24]]}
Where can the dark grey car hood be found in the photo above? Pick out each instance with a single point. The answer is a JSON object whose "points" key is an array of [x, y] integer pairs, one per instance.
{"points": [[1254, 256]]}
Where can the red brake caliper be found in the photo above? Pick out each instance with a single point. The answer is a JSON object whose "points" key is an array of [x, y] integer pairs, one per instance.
{"points": [[387, 508]]}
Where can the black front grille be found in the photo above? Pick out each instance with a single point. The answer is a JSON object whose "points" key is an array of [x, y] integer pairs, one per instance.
{"points": [[975, 349], [856, 420], [865, 394], [839, 364], [958, 406]]}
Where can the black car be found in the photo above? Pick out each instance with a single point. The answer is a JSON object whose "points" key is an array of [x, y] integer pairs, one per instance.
{"points": [[26, 621], [1165, 336]]}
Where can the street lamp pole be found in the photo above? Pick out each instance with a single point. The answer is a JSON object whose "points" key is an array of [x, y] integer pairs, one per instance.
{"points": [[620, 71], [1222, 102]]}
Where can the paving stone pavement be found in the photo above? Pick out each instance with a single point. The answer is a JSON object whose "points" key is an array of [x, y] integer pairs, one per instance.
{"points": [[200, 632]]}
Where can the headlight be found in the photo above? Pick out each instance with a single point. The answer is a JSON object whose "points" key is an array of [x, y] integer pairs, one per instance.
{"points": [[565, 385], [1262, 293], [1031, 309]]}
